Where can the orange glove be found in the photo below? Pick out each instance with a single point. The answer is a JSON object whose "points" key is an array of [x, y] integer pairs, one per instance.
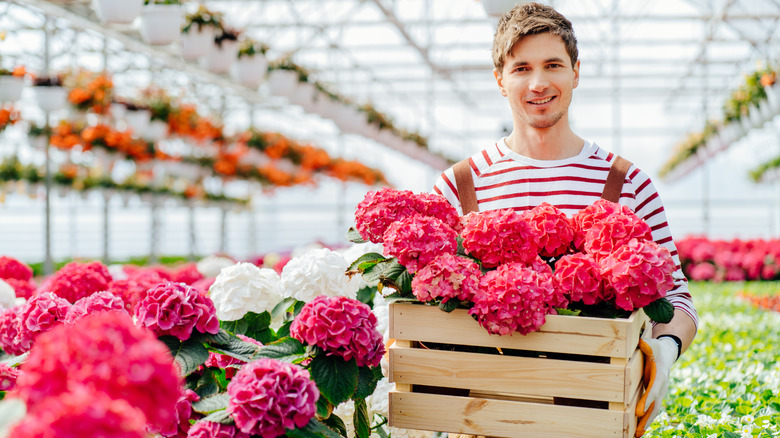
{"points": [[660, 355]]}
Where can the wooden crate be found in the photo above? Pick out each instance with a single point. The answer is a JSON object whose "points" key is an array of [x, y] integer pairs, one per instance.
{"points": [[576, 377]]}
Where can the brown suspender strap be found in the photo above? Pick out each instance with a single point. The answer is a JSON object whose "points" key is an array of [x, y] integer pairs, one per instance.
{"points": [[465, 184], [617, 175]]}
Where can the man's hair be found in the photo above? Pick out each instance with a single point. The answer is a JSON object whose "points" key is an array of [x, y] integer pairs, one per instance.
{"points": [[530, 19]]}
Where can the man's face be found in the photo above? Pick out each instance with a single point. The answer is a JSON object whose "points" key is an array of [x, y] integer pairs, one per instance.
{"points": [[538, 79]]}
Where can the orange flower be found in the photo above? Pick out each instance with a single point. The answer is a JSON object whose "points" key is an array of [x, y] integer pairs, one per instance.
{"points": [[8, 116], [78, 96], [275, 176], [278, 146], [313, 158], [70, 170], [225, 167], [768, 79], [19, 71]]}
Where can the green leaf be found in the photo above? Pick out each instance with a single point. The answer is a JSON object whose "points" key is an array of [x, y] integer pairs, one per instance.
{"points": [[336, 423], [237, 327], [189, 355], [207, 384], [360, 419], [353, 236], [324, 408], [449, 306], [335, 377], [222, 416], [366, 295], [660, 310], [367, 381], [284, 330], [257, 323], [282, 307], [211, 404], [563, 311], [360, 263], [285, 349], [388, 269], [238, 349], [313, 429], [404, 283]]}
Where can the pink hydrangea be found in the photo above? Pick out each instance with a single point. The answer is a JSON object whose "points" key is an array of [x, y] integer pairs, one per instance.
{"points": [[554, 230], [209, 429], [109, 354], [448, 276], [417, 239], [224, 361], [379, 209], [513, 298], [133, 289], [176, 309], [268, 397], [181, 424], [341, 326], [11, 268], [8, 376], [78, 280], [97, 302], [82, 412], [22, 288], [437, 206], [204, 284], [499, 236], [611, 233], [39, 315], [578, 276], [187, 273], [703, 271], [639, 272], [594, 213], [9, 330]]}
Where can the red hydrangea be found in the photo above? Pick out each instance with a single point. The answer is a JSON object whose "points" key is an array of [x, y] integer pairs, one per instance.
{"points": [[181, 424], [224, 361], [187, 273], [513, 298], [8, 376], [133, 288], [341, 326], [379, 209], [448, 276], [209, 429], [578, 276], [97, 302], [82, 412], [22, 288], [499, 236], [9, 330], [78, 280], [437, 206], [612, 232], [417, 239], [639, 272], [40, 314], [107, 353], [554, 230], [176, 309], [592, 214], [11, 268], [703, 271], [268, 397]]}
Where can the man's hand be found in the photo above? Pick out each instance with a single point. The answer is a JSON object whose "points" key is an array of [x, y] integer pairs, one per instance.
{"points": [[660, 355]]}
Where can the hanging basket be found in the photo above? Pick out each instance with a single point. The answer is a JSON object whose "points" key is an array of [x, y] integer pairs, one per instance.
{"points": [[160, 24], [196, 43], [156, 131], [250, 70], [138, 120], [117, 11], [304, 95], [282, 82], [221, 57], [50, 98], [11, 88], [497, 8]]}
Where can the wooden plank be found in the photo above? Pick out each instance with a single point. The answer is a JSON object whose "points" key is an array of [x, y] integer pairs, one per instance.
{"points": [[509, 374], [560, 334], [399, 386], [630, 419], [499, 418], [634, 374]]}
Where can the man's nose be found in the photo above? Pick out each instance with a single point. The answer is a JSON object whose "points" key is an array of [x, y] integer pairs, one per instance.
{"points": [[539, 81]]}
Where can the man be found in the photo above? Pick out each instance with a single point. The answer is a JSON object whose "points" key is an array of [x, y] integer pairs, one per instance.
{"points": [[542, 159]]}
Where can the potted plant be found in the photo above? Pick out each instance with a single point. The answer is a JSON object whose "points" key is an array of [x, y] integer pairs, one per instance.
{"points": [[117, 11], [223, 53], [251, 66], [497, 8], [50, 93], [11, 84], [137, 117], [284, 76], [197, 34], [161, 21]]}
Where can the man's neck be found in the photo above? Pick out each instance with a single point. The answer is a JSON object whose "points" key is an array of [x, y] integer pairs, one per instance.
{"points": [[545, 144]]}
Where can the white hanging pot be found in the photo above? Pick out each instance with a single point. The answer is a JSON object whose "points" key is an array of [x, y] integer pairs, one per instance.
{"points": [[282, 82], [138, 120], [160, 24], [11, 88], [497, 8], [304, 95], [197, 42], [117, 11], [156, 131], [773, 97], [221, 57], [323, 106], [50, 98], [250, 70]]}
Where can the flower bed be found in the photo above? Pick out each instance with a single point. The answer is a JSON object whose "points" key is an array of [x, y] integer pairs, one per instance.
{"points": [[704, 259]]}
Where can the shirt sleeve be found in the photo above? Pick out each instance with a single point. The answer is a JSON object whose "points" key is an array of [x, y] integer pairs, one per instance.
{"points": [[445, 186]]}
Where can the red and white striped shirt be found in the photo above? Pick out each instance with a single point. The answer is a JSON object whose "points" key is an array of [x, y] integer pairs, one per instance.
{"points": [[505, 179]]}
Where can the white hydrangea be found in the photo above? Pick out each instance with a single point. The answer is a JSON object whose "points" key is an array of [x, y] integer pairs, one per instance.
{"points": [[117, 271], [243, 288], [382, 313], [318, 272], [7, 296], [211, 266]]}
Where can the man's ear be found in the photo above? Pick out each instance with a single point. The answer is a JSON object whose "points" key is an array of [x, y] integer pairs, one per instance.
{"points": [[576, 69], [499, 81]]}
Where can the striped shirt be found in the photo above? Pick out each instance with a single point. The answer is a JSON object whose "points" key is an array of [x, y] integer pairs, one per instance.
{"points": [[505, 179]]}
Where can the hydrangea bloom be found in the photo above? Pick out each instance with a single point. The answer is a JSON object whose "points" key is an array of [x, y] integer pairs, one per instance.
{"points": [[133, 288], [613, 232], [512, 298], [578, 276], [108, 353], [42, 313], [204, 285], [78, 280], [8, 376], [82, 412], [448, 276], [9, 330], [97, 302], [22, 288], [209, 429], [499, 236], [418, 239], [703, 271], [592, 214], [268, 396], [224, 361], [433, 205], [340, 326], [639, 272], [212, 265], [317, 272], [187, 273], [243, 288], [176, 309], [381, 208], [181, 424], [554, 230], [13, 268], [7, 295]]}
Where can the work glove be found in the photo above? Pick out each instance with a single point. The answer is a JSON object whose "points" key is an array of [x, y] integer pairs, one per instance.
{"points": [[660, 355]]}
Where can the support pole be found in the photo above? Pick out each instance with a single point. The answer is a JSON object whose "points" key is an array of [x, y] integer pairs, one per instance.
{"points": [[154, 249], [192, 231], [48, 265], [106, 226]]}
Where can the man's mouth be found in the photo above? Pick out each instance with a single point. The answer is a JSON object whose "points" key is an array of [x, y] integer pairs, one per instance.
{"points": [[541, 101]]}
